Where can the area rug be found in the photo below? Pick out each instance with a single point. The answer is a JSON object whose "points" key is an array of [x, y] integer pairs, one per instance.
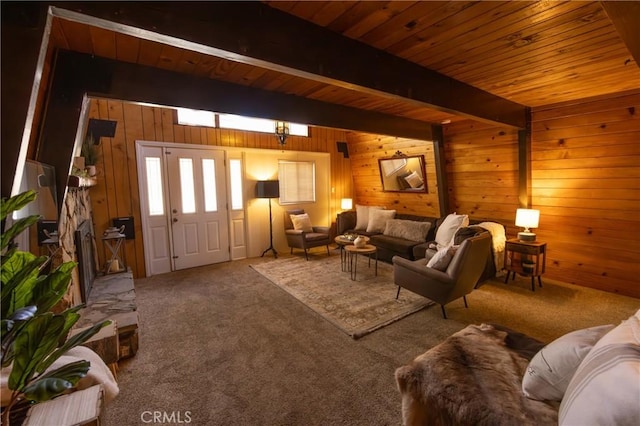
{"points": [[355, 307]]}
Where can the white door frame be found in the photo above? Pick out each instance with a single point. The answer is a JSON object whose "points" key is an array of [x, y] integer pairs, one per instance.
{"points": [[236, 229]]}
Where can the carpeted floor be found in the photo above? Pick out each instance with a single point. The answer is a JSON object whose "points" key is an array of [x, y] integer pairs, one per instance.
{"points": [[222, 345], [357, 307]]}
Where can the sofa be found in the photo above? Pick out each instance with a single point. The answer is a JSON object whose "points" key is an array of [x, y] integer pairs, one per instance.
{"points": [[490, 375], [410, 237], [392, 244]]}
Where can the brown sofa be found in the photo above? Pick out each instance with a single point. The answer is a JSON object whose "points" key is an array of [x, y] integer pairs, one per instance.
{"points": [[413, 250], [387, 246]]}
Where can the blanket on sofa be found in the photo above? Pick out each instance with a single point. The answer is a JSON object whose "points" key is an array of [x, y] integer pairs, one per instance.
{"points": [[499, 239], [473, 377]]}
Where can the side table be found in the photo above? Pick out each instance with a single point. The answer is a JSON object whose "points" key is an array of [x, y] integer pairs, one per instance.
{"points": [[352, 254], [343, 241], [525, 258], [113, 245]]}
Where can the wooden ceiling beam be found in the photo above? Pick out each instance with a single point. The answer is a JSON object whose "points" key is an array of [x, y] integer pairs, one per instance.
{"points": [[77, 75], [256, 34]]}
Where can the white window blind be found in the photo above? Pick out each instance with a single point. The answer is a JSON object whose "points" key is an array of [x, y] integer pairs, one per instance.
{"points": [[297, 181]]}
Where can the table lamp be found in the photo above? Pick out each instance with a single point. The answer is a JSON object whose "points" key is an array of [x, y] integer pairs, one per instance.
{"points": [[527, 218], [346, 204]]}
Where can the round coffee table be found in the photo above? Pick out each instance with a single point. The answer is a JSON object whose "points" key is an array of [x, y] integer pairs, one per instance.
{"points": [[352, 254], [342, 242]]}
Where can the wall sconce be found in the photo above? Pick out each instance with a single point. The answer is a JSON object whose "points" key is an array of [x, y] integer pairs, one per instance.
{"points": [[346, 204], [527, 218], [282, 131]]}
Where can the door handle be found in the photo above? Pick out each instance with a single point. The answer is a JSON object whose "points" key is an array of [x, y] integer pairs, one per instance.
{"points": [[175, 219], [175, 210]]}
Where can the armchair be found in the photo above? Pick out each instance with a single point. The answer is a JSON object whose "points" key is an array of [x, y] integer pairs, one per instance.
{"points": [[296, 238], [458, 280]]}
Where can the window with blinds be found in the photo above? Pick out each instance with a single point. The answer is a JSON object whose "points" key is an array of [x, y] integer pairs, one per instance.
{"points": [[297, 181]]}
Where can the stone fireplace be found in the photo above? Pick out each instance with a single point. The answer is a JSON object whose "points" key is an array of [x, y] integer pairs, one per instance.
{"points": [[78, 244]]}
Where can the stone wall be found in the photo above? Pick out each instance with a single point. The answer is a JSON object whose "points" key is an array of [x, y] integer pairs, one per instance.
{"points": [[75, 210]]}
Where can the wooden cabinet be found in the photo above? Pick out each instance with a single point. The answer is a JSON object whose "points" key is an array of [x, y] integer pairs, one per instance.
{"points": [[527, 259]]}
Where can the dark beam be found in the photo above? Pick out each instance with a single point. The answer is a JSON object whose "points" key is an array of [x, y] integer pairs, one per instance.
{"points": [[441, 169], [23, 25], [256, 34], [625, 16], [524, 169], [76, 75], [137, 83]]}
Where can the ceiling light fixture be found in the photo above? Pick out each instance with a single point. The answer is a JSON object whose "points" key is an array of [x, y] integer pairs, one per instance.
{"points": [[282, 132]]}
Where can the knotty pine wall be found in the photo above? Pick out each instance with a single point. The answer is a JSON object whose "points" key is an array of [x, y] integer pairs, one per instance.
{"points": [[116, 193], [366, 149], [586, 183], [585, 161]]}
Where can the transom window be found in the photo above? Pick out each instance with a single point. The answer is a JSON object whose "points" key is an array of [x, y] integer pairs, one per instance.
{"points": [[191, 117]]}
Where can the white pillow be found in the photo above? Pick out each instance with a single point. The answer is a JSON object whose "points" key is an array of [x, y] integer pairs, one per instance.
{"points": [[362, 216], [551, 369], [301, 222], [447, 230], [442, 258], [378, 219], [414, 180], [605, 390]]}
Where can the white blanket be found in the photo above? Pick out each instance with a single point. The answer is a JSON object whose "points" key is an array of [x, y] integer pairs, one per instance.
{"points": [[499, 238], [98, 373]]}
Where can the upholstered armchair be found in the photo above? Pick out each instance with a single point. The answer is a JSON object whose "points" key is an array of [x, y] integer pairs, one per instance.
{"points": [[444, 286], [306, 236]]}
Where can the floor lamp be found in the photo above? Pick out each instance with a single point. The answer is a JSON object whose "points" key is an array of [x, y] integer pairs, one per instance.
{"points": [[269, 189]]}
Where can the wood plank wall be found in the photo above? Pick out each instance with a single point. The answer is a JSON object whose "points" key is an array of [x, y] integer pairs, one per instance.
{"points": [[586, 183], [116, 194], [482, 171], [366, 149], [585, 161]]}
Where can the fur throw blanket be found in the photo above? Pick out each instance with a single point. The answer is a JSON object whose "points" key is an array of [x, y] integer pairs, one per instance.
{"points": [[473, 377]]}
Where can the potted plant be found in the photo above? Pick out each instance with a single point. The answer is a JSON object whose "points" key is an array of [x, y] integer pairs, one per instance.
{"points": [[90, 154], [33, 336]]}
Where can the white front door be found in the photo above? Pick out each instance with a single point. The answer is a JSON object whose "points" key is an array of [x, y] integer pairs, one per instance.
{"points": [[198, 199]]}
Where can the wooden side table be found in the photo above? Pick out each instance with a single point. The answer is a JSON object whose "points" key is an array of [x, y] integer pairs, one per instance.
{"points": [[527, 259], [353, 252]]}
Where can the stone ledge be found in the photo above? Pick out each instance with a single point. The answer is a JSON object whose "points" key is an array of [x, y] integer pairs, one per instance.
{"points": [[113, 298]]}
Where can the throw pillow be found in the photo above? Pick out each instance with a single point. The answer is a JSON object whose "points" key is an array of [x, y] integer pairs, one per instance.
{"points": [[362, 216], [442, 258], [414, 180], [378, 220], [551, 369], [605, 388], [411, 230], [449, 227], [301, 222]]}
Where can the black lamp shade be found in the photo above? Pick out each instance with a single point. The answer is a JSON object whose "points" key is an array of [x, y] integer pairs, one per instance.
{"points": [[267, 189]]}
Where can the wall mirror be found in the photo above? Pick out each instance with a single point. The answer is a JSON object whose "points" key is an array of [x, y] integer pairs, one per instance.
{"points": [[403, 173]]}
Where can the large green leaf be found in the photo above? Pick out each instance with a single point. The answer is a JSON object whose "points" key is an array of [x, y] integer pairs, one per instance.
{"points": [[16, 202], [16, 228], [54, 382], [72, 342], [36, 341], [19, 276], [48, 292]]}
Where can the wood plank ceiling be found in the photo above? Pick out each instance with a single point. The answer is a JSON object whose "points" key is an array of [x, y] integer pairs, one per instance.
{"points": [[533, 53]]}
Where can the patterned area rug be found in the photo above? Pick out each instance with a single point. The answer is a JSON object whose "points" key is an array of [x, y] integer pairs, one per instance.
{"points": [[355, 307]]}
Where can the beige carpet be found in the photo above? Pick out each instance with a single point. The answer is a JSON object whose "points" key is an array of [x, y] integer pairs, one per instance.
{"points": [[355, 307]]}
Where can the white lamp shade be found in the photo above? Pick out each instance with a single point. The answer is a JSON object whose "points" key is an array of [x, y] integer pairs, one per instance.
{"points": [[527, 218], [346, 204]]}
